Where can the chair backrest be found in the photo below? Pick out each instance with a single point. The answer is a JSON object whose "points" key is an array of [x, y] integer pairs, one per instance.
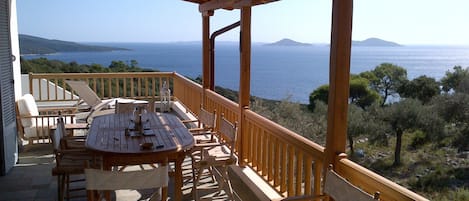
{"points": [[340, 189], [101, 180], [83, 90], [27, 107], [207, 119], [229, 132]]}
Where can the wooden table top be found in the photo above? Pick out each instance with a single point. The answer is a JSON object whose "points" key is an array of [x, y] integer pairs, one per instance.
{"points": [[109, 134]]}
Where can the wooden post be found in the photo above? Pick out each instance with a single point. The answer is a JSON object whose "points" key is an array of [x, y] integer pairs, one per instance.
{"points": [[244, 75], [205, 53], [339, 75], [205, 49]]}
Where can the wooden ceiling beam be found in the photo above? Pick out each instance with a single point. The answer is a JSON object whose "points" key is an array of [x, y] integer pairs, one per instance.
{"points": [[216, 4], [249, 3], [230, 4]]}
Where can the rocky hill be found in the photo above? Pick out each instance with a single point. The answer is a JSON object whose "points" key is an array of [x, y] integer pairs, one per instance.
{"points": [[36, 45]]}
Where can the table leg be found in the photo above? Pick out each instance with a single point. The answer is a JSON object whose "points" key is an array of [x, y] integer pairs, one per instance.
{"points": [[178, 178], [108, 167]]}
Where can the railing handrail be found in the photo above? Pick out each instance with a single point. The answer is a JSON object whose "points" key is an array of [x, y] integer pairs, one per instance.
{"points": [[97, 75]]}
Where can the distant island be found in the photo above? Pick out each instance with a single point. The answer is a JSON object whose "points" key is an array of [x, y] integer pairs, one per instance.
{"points": [[288, 42], [36, 45], [375, 42]]}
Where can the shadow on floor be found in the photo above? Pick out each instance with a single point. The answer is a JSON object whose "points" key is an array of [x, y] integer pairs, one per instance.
{"points": [[31, 179]]}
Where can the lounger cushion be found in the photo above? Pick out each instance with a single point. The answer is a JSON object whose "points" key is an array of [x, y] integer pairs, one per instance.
{"points": [[27, 107]]}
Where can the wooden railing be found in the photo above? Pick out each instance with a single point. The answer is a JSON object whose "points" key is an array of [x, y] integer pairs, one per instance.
{"points": [[288, 162], [187, 92], [106, 85]]}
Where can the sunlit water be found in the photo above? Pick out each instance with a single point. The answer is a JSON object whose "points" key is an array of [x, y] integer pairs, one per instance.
{"points": [[276, 71]]}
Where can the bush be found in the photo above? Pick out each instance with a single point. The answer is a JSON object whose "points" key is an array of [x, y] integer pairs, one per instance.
{"points": [[419, 138]]}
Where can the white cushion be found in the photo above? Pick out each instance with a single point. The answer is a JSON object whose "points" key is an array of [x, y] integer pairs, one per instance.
{"points": [[27, 107]]}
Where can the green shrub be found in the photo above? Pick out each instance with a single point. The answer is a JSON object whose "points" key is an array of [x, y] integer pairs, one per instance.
{"points": [[418, 139]]}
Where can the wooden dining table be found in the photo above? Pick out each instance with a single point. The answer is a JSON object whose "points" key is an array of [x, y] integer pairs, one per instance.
{"points": [[163, 136]]}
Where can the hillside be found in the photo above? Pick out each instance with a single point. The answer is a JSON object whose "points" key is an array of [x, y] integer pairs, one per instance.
{"points": [[36, 45]]}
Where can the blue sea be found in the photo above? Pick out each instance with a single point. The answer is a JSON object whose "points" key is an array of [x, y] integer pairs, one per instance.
{"points": [[277, 72]]}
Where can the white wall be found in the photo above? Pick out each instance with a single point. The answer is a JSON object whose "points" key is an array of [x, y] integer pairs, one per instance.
{"points": [[15, 49]]}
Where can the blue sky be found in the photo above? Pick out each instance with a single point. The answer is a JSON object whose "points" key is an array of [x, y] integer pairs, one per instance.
{"points": [[402, 21]]}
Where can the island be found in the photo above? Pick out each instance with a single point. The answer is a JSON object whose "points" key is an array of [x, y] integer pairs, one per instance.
{"points": [[288, 42], [371, 42], [37, 45], [375, 42]]}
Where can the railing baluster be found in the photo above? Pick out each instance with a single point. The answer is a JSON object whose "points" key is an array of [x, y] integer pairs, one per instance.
{"points": [[308, 166], [283, 177], [317, 177], [299, 172], [290, 164]]}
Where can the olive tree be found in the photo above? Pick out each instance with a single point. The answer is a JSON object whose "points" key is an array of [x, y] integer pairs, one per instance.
{"points": [[402, 116]]}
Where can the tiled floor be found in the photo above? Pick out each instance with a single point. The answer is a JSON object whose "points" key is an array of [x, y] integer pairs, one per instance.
{"points": [[31, 179]]}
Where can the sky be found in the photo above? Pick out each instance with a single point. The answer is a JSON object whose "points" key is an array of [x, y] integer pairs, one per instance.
{"points": [[419, 22]]}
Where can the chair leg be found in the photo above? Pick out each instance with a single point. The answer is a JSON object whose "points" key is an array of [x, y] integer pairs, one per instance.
{"points": [[196, 182], [210, 169], [68, 186], [227, 181], [230, 188], [59, 187]]}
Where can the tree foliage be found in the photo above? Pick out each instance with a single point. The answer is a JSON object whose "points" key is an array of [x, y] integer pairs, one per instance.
{"points": [[319, 94], [457, 80], [360, 92], [386, 79], [43, 65], [454, 109], [402, 116], [422, 88], [356, 125]]}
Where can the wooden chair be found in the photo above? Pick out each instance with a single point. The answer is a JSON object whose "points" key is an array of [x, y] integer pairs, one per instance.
{"points": [[219, 155], [68, 162], [205, 126], [34, 124], [339, 189], [99, 181]]}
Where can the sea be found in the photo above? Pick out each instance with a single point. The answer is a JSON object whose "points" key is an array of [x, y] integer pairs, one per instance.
{"points": [[277, 72]]}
